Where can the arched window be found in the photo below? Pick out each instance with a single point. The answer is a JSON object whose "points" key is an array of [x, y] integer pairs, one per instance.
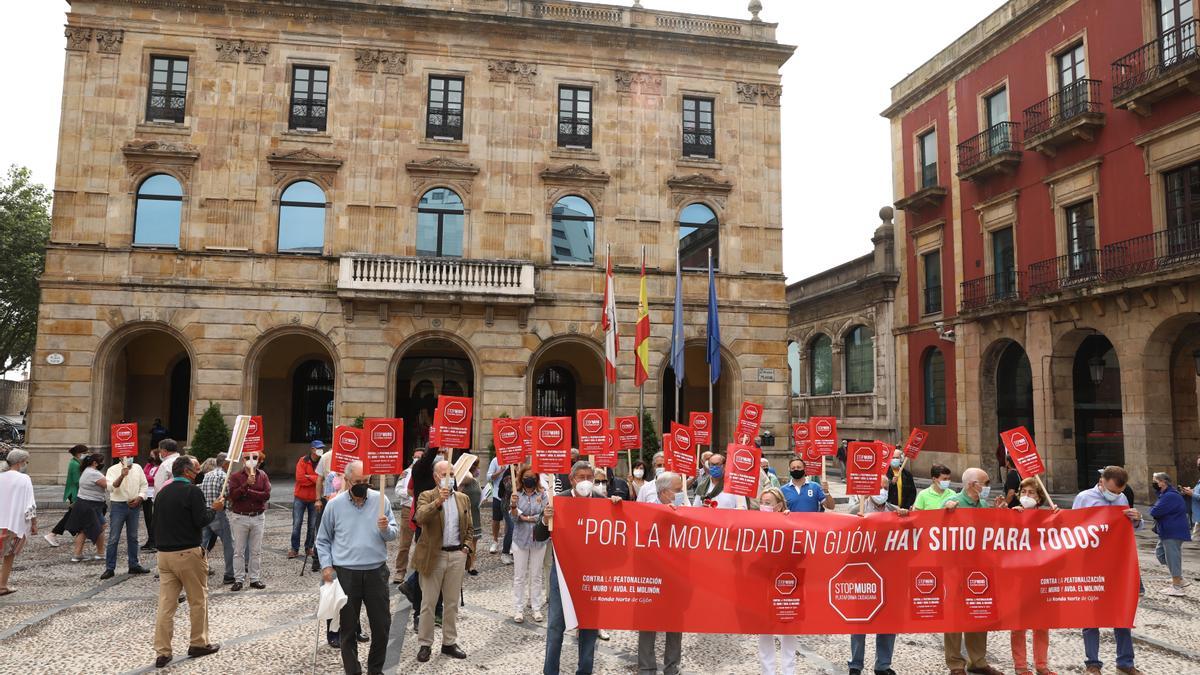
{"points": [[860, 361], [573, 231], [794, 366], [820, 363], [935, 387], [440, 224], [302, 218], [159, 208], [697, 234], [312, 400], [554, 393]]}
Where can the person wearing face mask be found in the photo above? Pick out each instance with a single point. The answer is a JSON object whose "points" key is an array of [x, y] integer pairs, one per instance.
{"points": [[637, 478], [304, 502], [87, 513], [802, 495], [352, 545], [976, 494], [906, 487], [126, 485], [18, 513], [1031, 497], [885, 644], [441, 559], [211, 486], [715, 495], [772, 500], [249, 491], [526, 507], [1170, 514], [647, 491], [70, 490], [938, 492], [1109, 491], [405, 500], [1193, 496], [700, 482]]}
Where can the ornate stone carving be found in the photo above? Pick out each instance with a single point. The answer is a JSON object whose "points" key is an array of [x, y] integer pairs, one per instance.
{"points": [[78, 38], [752, 92], [393, 63], [699, 186], [245, 51], [574, 179], [424, 174], [303, 163], [507, 71], [770, 93], [108, 40], [144, 157], [637, 82], [747, 92], [370, 60], [255, 52]]}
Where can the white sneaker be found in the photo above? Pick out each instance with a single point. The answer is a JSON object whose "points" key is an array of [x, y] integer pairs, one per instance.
{"points": [[76, 558], [537, 616], [519, 618], [51, 539], [603, 634], [1174, 591], [506, 559], [494, 548]]}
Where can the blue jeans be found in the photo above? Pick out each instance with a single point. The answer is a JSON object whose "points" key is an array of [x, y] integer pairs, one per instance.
{"points": [[219, 528], [1170, 553], [122, 515], [299, 508], [884, 645], [556, 625], [508, 531], [1091, 647]]}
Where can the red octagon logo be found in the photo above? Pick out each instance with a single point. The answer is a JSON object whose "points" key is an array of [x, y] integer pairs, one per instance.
{"points": [[683, 439], [124, 433], [626, 426], [1020, 443], [743, 460], [802, 432], [551, 434], [977, 583], [592, 423], [811, 454], [252, 428], [348, 441], [383, 435], [751, 412], [856, 592], [785, 583], [701, 422], [823, 428], [509, 435], [926, 583], [456, 412], [865, 457]]}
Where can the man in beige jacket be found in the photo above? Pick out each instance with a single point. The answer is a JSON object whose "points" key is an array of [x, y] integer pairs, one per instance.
{"points": [[440, 559]]}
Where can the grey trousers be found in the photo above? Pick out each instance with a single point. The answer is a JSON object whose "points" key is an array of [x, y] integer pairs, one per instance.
{"points": [[247, 545], [672, 653]]}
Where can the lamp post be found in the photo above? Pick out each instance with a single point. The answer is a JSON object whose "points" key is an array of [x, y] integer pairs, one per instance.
{"points": [[1096, 370]]}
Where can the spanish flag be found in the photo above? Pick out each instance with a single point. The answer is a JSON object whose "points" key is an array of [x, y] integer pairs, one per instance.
{"points": [[641, 350]]}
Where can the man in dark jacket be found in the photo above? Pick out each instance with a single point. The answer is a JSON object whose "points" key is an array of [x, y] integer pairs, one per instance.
{"points": [[909, 491], [179, 521]]}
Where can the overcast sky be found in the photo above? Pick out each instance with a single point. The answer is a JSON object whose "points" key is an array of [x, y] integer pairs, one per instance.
{"points": [[836, 163]]}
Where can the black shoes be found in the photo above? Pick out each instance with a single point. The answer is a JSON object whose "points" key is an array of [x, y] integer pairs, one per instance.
{"points": [[197, 652], [237, 586], [138, 570], [889, 671], [362, 637], [453, 652], [162, 661], [855, 671], [423, 654], [108, 574], [333, 640], [257, 584]]}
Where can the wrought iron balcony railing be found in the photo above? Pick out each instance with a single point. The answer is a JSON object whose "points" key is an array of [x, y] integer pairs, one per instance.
{"points": [[994, 289], [308, 113], [444, 122], [1174, 48], [932, 299], [1000, 139], [1153, 252], [1072, 270], [166, 105], [1072, 101]]}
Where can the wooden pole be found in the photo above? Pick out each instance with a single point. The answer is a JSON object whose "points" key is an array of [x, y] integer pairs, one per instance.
{"points": [[550, 503], [1043, 487], [900, 483], [382, 493], [241, 425]]}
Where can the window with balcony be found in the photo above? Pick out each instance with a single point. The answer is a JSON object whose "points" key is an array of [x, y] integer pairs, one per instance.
{"points": [[444, 113], [310, 98], [166, 99], [1081, 238], [698, 233], [927, 142], [573, 231], [440, 218], [932, 290], [996, 110], [1004, 263], [1176, 41], [698, 139], [302, 218], [159, 210], [860, 361], [934, 371], [820, 359], [1073, 92], [1183, 210], [574, 117]]}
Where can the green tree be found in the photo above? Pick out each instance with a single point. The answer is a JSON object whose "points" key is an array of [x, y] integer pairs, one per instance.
{"points": [[212, 434], [650, 442], [24, 232], [360, 421]]}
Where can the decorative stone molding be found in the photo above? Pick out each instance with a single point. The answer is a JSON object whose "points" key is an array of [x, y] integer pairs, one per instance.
{"points": [[144, 157], [637, 82], [78, 38], [108, 40], [245, 51], [507, 71], [303, 163], [752, 92], [574, 178], [371, 61], [699, 186], [440, 170]]}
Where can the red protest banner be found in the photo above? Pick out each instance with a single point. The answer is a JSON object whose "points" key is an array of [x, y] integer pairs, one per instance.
{"points": [[916, 441], [453, 422], [506, 436], [593, 430], [552, 445], [816, 573], [749, 420], [681, 458], [1019, 444], [527, 437], [701, 424], [384, 451], [862, 469], [124, 439], [607, 458], [824, 435], [348, 443], [742, 470], [254, 435], [629, 433]]}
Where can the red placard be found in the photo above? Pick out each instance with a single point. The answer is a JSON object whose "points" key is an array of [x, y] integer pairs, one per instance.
{"points": [[124, 439], [800, 438], [862, 469], [435, 440], [681, 458], [886, 451], [916, 441], [1019, 443], [629, 433], [506, 436], [813, 462], [593, 430], [349, 444], [823, 431], [527, 437], [742, 469], [552, 445], [749, 420], [453, 422], [384, 450], [701, 424], [607, 458], [254, 435]]}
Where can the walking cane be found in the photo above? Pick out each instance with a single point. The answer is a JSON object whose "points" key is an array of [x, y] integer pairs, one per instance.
{"points": [[317, 642]]}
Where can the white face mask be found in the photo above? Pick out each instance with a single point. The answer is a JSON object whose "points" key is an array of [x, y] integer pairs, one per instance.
{"points": [[600, 490], [944, 484], [1028, 502], [1109, 496], [127, 461], [584, 488], [678, 499], [638, 473], [985, 492], [251, 463], [658, 470], [880, 498]]}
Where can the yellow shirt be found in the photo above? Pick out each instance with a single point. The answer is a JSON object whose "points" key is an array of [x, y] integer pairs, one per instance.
{"points": [[133, 486]]}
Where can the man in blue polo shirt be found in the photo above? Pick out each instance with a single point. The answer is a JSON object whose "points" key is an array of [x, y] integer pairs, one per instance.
{"points": [[804, 496]]}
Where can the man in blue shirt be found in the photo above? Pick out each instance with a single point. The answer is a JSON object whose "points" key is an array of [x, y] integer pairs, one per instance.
{"points": [[805, 497]]}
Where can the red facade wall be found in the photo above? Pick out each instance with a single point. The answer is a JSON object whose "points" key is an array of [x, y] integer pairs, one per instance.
{"points": [[942, 438]]}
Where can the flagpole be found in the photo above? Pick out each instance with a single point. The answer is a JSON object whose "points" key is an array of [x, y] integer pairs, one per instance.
{"points": [[604, 312], [710, 365], [679, 302], [642, 386]]}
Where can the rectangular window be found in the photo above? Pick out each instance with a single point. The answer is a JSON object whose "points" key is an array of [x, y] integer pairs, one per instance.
{"points": [[1183, 211], [310, 98], [1081, 238], [929, 162], [574, 117], [1072, 89], [167, 95], [932, 263], [444, 119], [1004, 263], [698, 127], [999, 132], [1176, 38]]}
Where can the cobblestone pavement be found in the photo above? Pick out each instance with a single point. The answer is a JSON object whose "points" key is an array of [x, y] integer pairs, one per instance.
{"points": [[63, 619]]}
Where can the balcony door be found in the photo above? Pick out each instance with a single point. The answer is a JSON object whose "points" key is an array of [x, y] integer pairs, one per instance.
{"points": [[1183, 210], [996, 109], [1072, 89], [1004, 263], [1081, 239], [1177, 30]]}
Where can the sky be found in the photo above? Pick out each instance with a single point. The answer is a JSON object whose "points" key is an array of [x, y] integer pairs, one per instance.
{"points": [[836, 147]]}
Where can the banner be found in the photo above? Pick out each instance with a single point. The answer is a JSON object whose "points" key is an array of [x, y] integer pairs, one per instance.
{"points": [[824, 435], [527, 437], [635, 567], [749, 419], [552, 445], [629, 433], [741, 470], [681, 455], [593, 430], [862, 469], [348, 445], [124, 439], [384, 452], [916, 441], [254, 435], [453, 421], [801, 438], [1019, 444], [701, 424], [607, 458], [506, 436]]}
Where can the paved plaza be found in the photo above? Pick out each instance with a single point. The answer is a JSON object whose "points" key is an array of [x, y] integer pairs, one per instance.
{"points": [[63, 619]]}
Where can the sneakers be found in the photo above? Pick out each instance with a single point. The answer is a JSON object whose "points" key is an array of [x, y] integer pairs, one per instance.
{"points": [[603, 634], [518, 618], [494, 548], [76, 558], [1174, 592], [537, 616], [53, 540], [506, 559]]}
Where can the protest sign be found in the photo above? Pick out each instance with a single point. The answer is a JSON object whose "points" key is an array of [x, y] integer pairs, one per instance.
{"points": [[749, 420], [916, 441], [681, 458], [124, 439], [634, 567], [886, 451], [552, 445], [254, 435], [701, 424], [506, 436], [814, 464], [593, 430], [1019, 443], [348, 444], [862, 469], [824, 435], [629, 433], [237, 439], [384, 450], [801, 437], [453, 422], [742, 470], [527, 437], [607, 458]]}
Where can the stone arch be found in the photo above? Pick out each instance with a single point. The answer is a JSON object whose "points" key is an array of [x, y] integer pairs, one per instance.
{"points": [[1168, 398], [580, 355], [727, 396], [414, 342]]}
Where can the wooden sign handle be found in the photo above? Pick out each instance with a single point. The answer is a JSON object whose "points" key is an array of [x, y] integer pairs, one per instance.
{"points": [[550, 502], [382, 494]]}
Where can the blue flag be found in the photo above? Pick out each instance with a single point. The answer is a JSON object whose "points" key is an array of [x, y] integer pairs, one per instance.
{"points": [[713, 357], [677, 328]]}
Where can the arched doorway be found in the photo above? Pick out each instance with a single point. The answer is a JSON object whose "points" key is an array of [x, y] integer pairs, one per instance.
{"points": [[432, 367], [567, 376], [295, 392], [147, 377], [1172, 361], [1014, 390], [693, 395], [1096, 386]]}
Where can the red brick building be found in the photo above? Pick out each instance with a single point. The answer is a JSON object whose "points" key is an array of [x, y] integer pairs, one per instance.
{"points": [[1046, 166]]}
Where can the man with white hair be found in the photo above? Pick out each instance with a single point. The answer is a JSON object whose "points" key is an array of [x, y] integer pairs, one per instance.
{"points": [[352, 543], [648, 491], [976, 493], [669, 491], [440, 559]]}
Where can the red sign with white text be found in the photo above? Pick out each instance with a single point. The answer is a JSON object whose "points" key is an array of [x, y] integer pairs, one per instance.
{"points": [[814, 464], [862, 469], [349, 444], [629, 433], [824, 435], [124, 439], [701, 424], [384, 452], [552, 445], [886, 451], [593, 430], [1019, 443], [527, 437], [607, 458], [681, 457], [749, 420], [801, 437], [930, 572], [916, 441], [506, 436], [453, 422], [254, 435], [742, 470]]}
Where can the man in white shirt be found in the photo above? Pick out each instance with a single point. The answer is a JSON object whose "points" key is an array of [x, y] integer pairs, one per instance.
{"points": [[405, 499], [127, 487], [648, 491], [714, 493], [168, 449]]}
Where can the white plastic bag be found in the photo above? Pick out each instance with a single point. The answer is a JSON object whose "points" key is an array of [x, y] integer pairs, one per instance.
{"points": [[331, 603]]}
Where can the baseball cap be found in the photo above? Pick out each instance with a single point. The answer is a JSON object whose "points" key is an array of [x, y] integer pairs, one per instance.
{"points": [[318, 444]]}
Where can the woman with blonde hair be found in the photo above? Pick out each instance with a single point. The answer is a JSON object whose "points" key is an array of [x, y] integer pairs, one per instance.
{"points": [[771, 500]]}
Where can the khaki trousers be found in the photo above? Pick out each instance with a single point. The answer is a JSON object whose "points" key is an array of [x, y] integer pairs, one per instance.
{"points": [[187, 570], [445, 579], [400, 569], [976, 650]]}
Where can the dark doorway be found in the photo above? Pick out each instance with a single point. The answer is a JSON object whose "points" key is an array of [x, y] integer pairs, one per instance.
{"points": [[431, 369], [180, 399], [1014, 390], [1099, 440]]}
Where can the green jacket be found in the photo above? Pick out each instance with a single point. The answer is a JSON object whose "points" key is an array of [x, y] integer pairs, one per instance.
{"points": [[72, 488]]}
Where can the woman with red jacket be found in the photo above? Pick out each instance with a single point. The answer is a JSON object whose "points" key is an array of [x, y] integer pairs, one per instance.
{"points": [[304, 501]]}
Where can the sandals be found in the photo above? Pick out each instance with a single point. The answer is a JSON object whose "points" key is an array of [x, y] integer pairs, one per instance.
{"points": [[7, 591]]}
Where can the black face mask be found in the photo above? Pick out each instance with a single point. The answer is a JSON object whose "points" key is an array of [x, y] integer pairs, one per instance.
{"points": [[529, 481], [797, 473], [359, 491]]}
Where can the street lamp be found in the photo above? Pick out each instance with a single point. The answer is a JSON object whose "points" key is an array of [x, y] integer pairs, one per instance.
{"points": [[1096, 369]]}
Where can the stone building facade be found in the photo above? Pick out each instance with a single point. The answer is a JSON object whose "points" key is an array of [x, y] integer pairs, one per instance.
{"points": [[1048, 167], [841, 350], [318, 210]]}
